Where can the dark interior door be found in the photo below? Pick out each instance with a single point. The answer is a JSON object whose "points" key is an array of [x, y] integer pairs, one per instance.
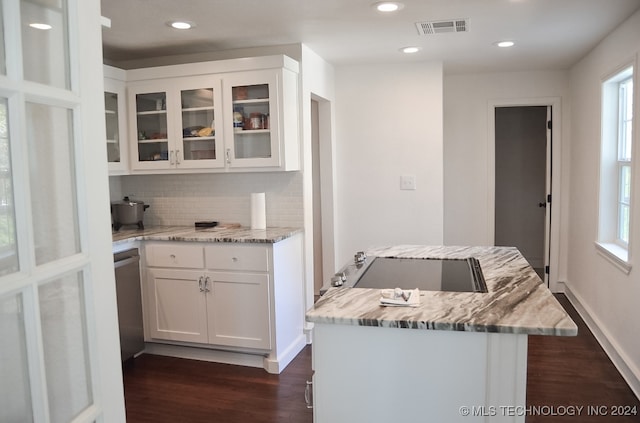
{"points": [[521, 175]]}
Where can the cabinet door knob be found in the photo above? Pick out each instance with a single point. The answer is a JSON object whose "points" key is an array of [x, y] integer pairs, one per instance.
{"points": [[234, 259]]}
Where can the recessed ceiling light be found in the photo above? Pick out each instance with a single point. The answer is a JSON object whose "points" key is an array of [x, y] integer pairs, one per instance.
{"points": [[410, 50], [181, 24], [38, 25], [388, 6], [505, 44]]}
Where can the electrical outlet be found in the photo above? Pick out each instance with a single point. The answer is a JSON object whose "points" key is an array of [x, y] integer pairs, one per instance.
{"points": [[408, 182]]}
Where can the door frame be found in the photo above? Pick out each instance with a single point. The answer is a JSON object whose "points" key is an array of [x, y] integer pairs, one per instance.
{"points": [[553, 175]]}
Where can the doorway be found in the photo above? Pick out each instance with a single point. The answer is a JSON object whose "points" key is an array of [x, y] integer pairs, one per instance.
{"points": [[523, 182], [322, 188]]}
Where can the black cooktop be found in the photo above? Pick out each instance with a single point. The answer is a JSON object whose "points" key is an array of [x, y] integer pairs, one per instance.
{"points": [[457, 275]]}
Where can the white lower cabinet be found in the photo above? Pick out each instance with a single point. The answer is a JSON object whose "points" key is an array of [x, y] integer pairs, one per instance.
{"points": [[177, 307], [238, 310], [246, 298]]}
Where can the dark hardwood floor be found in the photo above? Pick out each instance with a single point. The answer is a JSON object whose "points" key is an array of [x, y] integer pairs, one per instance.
{"points": [[575, 371], [562, 372]]}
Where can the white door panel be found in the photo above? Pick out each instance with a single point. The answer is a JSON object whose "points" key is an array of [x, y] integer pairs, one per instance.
{"points": [[58, 322]]}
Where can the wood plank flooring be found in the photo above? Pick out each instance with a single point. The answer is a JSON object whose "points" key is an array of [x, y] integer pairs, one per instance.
{"points": [[562, 372]]}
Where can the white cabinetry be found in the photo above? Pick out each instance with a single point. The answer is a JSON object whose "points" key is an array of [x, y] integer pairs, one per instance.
{"points": [[262, 130], [174, 124], [215, 116], [238, 297], [116, 120]]}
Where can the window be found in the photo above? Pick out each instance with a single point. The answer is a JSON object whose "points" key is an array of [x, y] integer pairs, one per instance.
{"points": [[625, 115], [616, 167]]}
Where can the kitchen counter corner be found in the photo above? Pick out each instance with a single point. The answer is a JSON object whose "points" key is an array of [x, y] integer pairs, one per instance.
{"points": [[190, 234]]}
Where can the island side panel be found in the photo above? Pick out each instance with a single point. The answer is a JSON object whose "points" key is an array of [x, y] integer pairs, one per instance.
{"points": [[376, 374]]}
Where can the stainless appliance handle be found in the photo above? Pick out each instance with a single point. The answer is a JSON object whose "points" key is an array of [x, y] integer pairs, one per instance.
{"points": [[308, 394], [125, 262]]}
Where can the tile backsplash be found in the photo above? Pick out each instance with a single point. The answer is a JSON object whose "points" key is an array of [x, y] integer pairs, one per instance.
{"points": [[183, 199]]}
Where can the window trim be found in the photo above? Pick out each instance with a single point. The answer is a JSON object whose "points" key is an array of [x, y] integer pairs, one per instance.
{"points": [[609, 243]]}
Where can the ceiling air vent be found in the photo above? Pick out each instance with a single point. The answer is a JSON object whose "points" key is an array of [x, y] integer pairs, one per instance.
{"points": [[441, 27]]}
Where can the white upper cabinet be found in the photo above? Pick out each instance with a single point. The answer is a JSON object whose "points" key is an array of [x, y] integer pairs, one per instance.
{"points": [[232, 115], [116, 120], [174, 126]]}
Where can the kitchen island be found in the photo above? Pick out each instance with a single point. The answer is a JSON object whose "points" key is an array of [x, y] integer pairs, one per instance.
{"points": [[456, 357]]}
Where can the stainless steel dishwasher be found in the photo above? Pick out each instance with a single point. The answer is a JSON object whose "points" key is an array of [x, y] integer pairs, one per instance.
{"points": [[127, 269]]}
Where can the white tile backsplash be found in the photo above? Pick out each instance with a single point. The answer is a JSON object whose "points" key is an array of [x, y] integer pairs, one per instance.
{"points": [[184, 199]]}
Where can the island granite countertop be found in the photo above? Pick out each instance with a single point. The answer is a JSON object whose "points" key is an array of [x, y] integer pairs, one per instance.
{"points": [[517, 301], [215, 234]]}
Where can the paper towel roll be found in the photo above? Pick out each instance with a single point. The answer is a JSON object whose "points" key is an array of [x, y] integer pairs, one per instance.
{"points": [[258, 211]]}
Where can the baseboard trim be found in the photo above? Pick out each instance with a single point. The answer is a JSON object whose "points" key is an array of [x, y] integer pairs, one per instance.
{"points": [[277, 364], [205, 354], [621, 361]]}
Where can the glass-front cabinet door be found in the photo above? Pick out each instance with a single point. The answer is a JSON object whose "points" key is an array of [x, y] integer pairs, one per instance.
{"points": [[175, 124], [149, 135], [252, 125], [116, 123], [200, 145]]}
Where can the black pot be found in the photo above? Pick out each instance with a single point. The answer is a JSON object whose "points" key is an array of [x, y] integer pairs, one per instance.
{"points": [[128, 212]]}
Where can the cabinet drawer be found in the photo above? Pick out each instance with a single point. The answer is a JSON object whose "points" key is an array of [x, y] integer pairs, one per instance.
{"points": [[174, 255], [237, 257]]}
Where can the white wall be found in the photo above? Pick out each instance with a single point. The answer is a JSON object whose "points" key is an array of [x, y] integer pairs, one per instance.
{"points": [[388, 123], [467, 99], [608, 295], [318, 83]]}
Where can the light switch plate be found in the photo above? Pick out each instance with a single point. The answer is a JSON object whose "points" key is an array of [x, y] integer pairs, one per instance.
{"points": [[408, 182]]}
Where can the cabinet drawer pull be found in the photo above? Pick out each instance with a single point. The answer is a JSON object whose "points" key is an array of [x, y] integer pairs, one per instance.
{"points": [[234, 259], [207, 284], [308, 394], [200, 285]]}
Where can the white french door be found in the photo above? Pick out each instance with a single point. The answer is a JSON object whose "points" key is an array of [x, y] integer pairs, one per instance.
{"points": [[59, 346]]}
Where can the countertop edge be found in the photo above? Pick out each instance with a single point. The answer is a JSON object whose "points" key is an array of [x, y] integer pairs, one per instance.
{"points": [[269, 235]]}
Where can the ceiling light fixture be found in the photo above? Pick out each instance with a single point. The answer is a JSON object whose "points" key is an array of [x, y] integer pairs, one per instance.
{"points": [[410, 50], [388, 6], [504, 44], [42, 26], [181, 24]]}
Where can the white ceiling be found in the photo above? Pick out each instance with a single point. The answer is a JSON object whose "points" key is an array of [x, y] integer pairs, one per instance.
{"points": [[549, 34]]}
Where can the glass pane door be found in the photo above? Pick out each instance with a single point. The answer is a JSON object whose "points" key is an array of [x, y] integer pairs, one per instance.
{"points": [[3, 57], [8, 242], [198, 125], [15, 390], [251, 121], [151, 116], [44, 29], [62, 318], [59, 356], [54, 202], [111, 119]]}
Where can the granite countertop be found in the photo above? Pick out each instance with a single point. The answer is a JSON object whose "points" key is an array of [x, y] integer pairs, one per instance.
{"points": [[516, 302], [190, 234]]}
